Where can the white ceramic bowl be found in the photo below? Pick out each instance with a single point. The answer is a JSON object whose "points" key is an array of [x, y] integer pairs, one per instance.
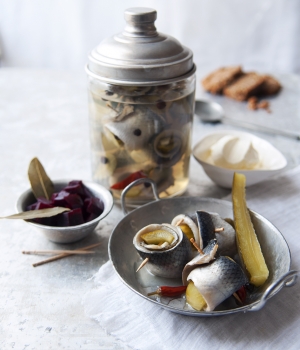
{"points": [[273, 161], [68, 234]]}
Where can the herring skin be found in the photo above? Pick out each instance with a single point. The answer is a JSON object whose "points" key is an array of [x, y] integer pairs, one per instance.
{"points": [[210, 252], [218, 280], [168, 262], [206, 228]]}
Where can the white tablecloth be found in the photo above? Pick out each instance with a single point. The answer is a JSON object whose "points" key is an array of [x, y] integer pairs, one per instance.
{"points": [[143, 325], [44, 113]]}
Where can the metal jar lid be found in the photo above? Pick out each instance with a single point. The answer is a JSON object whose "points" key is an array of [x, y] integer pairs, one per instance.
{"points": [[140, 55]]}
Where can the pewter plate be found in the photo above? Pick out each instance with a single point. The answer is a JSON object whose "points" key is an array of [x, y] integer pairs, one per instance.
{"points": [[125, 259]]}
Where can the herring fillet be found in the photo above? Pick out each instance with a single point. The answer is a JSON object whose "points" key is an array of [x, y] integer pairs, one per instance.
{"points": [[209, 254], [218, 280], [226, 238], [206, 227]]}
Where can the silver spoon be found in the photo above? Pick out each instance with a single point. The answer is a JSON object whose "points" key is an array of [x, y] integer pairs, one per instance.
{"points": [[213, 112]]}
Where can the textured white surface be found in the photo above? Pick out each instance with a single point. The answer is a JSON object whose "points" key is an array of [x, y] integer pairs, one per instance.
{"points": [[44, 114]]}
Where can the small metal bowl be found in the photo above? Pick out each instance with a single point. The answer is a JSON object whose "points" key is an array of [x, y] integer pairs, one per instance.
{"points": [[68, 234]]}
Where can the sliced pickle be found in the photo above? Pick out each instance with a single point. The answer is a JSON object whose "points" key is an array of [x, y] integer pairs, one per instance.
{"points": [[187, 231], [157, 237], [194, 297], [247, 241]]}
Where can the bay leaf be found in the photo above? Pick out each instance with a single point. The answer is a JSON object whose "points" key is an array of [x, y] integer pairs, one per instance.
{"points": [[40, 182], [35, 214]]}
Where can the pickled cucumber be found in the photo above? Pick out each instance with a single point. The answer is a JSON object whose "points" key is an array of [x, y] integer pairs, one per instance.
{"points": [[194, 297], [187, 231], [157, 237], [247, 242]]}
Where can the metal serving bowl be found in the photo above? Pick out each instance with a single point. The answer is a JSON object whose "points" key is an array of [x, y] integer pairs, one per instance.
{"points": [[68, 234], [125, 258]]}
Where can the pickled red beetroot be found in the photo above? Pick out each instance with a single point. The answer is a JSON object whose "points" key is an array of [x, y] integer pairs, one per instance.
{"points": [[73, 201], [87, 194], [32, 206], [73, 196], [93, 205], [45, 221], [70, 218], [42, 203], [59, 199], [68, 200], [76, 187]]}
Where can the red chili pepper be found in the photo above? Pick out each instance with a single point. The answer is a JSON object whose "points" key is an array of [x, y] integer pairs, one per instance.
{"points": [[171, 292], [242, 293], [128, 180]]}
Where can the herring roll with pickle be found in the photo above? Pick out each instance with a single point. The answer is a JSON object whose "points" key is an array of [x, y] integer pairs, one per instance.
{"points": [[165, 247]]}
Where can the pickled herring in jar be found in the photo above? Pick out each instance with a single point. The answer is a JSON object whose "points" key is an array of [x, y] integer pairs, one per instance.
{"points": [[141, 106]]}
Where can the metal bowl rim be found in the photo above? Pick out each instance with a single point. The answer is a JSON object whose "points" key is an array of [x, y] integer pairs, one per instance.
{"points": [[88, 184], [227, 203]]}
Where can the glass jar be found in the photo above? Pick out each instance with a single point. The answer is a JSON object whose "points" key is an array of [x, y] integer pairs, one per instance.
{"points": [[141, 113]]}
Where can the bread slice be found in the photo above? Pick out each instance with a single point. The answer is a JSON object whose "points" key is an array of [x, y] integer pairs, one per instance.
{"points": [[270, 87], [245, 86], [216, 81]]}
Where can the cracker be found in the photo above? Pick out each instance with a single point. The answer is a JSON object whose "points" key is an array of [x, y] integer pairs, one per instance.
{"points": [[270, 87], [245, 86], [216, 81]]}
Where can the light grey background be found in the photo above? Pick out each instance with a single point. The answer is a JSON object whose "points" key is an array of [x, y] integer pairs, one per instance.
{"points": [[259, 34]]}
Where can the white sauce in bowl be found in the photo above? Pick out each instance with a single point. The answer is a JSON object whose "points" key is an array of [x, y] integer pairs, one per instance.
{"points": [[234, 152], [224, 152]]}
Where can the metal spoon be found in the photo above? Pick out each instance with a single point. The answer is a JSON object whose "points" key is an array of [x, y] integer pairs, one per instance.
{"points": [[213, 112]]}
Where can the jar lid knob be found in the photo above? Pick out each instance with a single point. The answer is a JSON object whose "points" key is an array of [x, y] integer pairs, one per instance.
{"points": [[140, 22]]}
